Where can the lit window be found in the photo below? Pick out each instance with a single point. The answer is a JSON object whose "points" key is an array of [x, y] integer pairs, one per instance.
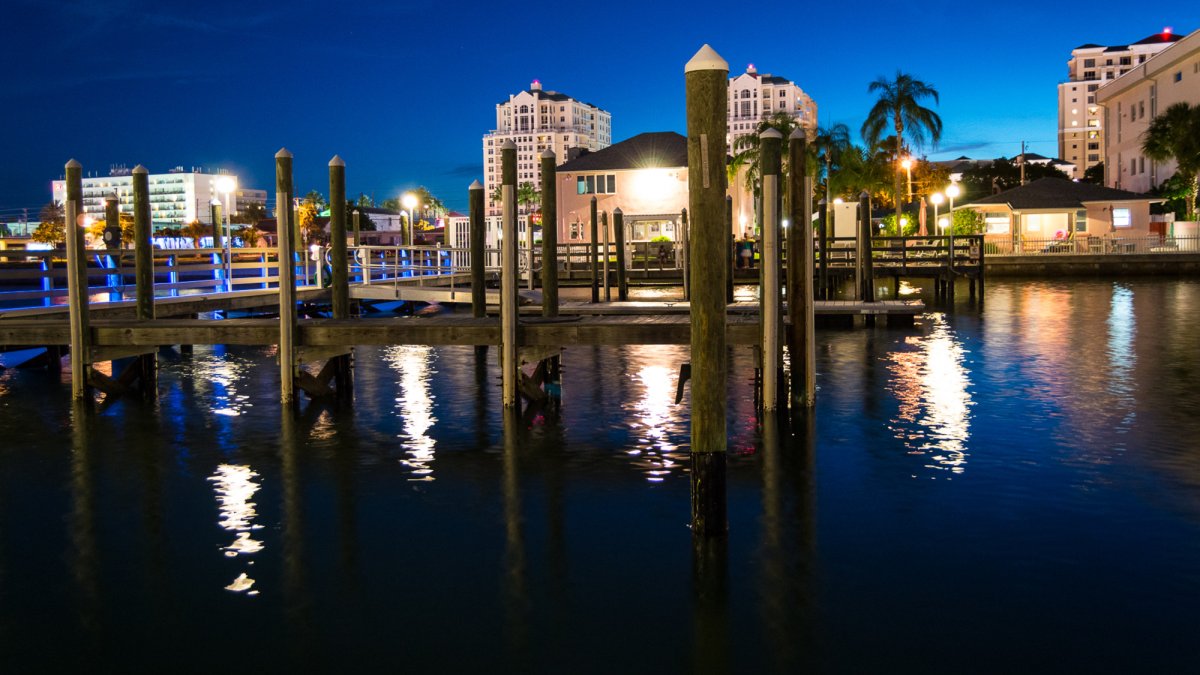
{"points": [[1122, 218]]}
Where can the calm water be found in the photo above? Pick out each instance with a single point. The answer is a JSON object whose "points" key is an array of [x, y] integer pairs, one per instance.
{"points": [[1012, 489]]}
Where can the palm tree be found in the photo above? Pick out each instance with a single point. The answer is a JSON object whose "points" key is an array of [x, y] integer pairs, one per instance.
{"points": [[1175, 134], [863, 169], [827, 149], [746, 152], [900, 104]]}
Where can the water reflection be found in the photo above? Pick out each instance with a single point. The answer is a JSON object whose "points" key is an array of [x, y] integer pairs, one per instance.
{"points": [[1122, 328], [657, 422], [223, 372], [235, 486], [931, 383], [415, 405]]}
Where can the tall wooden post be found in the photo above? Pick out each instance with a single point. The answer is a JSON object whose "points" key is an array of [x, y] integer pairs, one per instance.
{"points": [[730, 249], [357, 227], [801, 309], [214, 212], [618, 223], [143, 260], [478, 264], [865, 240], [549, 235], [595, 252], [287, 277], [337, 238], [340, 281], [508, 273], [823, 207], [529, 248], [686, 270], [707, 96], [77, 283], [607, 239], [769, 161], [112, 215]]}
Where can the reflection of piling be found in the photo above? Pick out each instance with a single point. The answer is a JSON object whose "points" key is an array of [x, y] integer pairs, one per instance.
{"points": [[769, 161], [508, 274], [287, 277], [823, 207], [595, 251], [514, 541], [618, 223], [343, 373], [710, 595], [84, 551], [296, 601], [143, 260], [707, 93], [77, 282], [549, 237], [801, 311]]}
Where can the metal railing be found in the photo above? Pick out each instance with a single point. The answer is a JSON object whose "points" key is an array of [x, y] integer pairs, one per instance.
{"points": [[1098, 245]]}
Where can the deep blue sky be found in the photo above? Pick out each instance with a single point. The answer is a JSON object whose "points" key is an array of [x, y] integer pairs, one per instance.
{"points": [[404, 91]]}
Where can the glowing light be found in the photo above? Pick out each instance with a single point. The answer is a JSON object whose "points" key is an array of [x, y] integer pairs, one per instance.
{"points": [[409, 201], [652, 184], [952, 190], [943, 222], [235, 486], [838, 200], [226, 184], [937, 198], [906, 163], [415, 406]]}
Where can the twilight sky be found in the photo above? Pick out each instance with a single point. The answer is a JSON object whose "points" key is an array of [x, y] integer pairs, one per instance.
{"points": [[403, 91]]}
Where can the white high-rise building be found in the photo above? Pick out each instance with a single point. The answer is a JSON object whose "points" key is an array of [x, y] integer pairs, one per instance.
{"points": [[176, 197], [1080, 117], [537, 119], [753, 96]]}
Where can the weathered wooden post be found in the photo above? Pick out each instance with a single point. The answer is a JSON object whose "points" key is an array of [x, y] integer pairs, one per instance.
{"points": [[357, 227], [508, 274], [549, 236], [77, 283], [707, 95], [478, 261], [529, 248], [112, 215], [619, 230], [607, 239], [865, 243], [772, 323], [595, 252], [112, 241], [143, 261], [801, 310], [287, 277], [730, 249], [340, 282], [823, 234], [214, 212], [686, 267]]}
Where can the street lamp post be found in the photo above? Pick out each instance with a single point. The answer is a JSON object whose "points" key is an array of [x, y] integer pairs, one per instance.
{"points": [[936, 199], [409, 202], [226, 185], [952, 191]]}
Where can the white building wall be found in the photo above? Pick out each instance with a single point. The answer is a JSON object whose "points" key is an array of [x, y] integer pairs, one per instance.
{"points": [[176, 198], [1132, 100], [753, 96]]}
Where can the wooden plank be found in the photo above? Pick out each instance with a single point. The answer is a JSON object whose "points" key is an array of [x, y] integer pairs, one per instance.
{"points": [[112, 353]]}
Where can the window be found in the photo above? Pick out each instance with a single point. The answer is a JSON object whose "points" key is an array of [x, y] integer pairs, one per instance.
{"points": [[1093, 134], [588, 185], [1081, 220], [1133, 166], [1126, 60], [1091, 99], [1089, 63], [1093, 158], [1092, 87], [1094, 123], [1178, 75], [996, 223], [1121, 218], [1089, 74], [1093, 146], [1141, 165]]}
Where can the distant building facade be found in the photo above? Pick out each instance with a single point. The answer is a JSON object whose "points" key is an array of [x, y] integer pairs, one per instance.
{"points": [[1132, 100], [753, 96], [176, 197], [1081, 128], [536, 120]]}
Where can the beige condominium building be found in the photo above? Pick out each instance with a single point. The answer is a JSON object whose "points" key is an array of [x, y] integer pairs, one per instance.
{"points": [[753, 96], [538, 119], [1081, 127], [1132, 100]]}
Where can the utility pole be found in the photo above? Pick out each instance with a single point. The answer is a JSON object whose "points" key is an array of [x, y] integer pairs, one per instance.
{"points": [[1022, 162]]}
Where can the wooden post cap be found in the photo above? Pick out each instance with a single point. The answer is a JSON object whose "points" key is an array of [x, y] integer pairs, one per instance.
{"points": [[706, 59]]}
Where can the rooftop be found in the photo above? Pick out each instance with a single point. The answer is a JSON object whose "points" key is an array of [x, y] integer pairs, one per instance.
{"points": [[1056, 193], [654, 149]]}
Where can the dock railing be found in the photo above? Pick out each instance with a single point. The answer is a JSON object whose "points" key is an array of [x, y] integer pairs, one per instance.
{"points": [[1094, 245]]}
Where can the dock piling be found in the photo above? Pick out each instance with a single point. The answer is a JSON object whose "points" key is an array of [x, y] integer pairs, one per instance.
{"points": [[618, 220], [549, 237], [800, 293], [343, 376], [707, 96], [595, 250], [143, 261], [287, 277], [77, 283], [769, 306], [508, 275]]}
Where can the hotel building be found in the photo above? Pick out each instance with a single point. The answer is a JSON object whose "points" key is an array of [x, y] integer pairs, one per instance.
{"points": [[1130, 101], [1081, 128], [176, 197], [753, 96]]}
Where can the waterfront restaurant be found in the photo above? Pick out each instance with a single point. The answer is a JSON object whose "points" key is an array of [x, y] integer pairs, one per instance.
{"points": [[1049, 210]]}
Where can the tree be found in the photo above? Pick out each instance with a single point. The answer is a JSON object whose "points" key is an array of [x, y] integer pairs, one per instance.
{"points": [[862, 171], [365, 201], [249, 235], [126, 221], [250, 214], [900, 104], [391, 204], [316, 200], [195, 231], [1094, 175], [1175, 134], [50, 230], [1002, 174], [747, 151], [827, 148]]}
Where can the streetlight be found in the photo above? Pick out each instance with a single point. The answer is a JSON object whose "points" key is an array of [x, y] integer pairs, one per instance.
{"points": [[226, 185], [952, 191], [936, 199], [409, 201], [907, 164]]}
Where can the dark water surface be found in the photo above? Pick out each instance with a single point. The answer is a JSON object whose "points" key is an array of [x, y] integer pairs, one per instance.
{"points": [[1009, 489]]}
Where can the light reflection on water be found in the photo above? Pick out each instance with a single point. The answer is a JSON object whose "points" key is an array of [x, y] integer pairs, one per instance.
{"points": [[414, 406], [235, 486], [222, 371], [657, 423], [931, 386]]}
